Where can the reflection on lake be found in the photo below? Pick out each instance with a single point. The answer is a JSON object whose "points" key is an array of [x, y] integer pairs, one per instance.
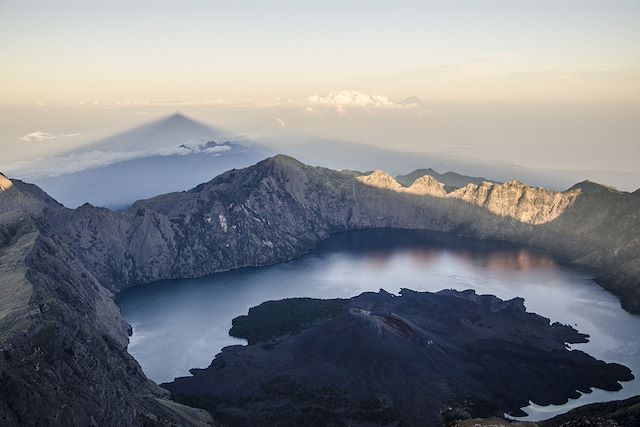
{"points": [[181, 324]]}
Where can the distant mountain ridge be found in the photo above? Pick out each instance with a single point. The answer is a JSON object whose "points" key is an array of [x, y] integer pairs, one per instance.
{"points": [[451, 180], [115, 171], [590, 187], [363, 157]]}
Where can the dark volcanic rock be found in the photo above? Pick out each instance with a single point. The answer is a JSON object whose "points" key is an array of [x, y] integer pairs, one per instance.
{"points": [[420, 358]]}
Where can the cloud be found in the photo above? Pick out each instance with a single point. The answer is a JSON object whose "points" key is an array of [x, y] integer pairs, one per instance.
{"points": [[339, 100], [200, 145], [38, 136], [62, 165], [350, 98], [44, 136], [76, 162], [344, 100]]}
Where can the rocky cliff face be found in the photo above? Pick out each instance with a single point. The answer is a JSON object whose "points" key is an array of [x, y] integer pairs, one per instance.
{"points": [[424, 186], [280, 208], [61, 267], [515, 200], [63, 357]]}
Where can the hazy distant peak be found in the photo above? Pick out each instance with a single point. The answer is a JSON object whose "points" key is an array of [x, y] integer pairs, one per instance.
{"points": [[412, 100], [588, 186], [451, 180]]}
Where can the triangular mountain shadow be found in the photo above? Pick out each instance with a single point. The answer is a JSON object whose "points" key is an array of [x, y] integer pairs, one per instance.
{"points": [[169, 131]]}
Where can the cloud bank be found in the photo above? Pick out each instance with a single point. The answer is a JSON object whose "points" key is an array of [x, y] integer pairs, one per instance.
{"points": [[46, 167], [344, 100], [44, 136]]}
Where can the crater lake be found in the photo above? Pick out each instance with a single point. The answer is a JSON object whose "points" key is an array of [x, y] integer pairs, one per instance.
{"points": [[182, 324]]}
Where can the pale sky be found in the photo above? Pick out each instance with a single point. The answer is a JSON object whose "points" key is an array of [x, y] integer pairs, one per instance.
{"points": [[507, 78], [86, 51]]}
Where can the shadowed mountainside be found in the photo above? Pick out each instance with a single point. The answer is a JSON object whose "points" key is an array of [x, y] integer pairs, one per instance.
{"points": [[63, 357]]}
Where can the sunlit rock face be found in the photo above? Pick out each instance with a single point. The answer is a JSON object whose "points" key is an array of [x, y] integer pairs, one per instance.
{"points": [[424, 186], [380, 179], [513, 199], [427, 186], [517, 200], [5, 183]]}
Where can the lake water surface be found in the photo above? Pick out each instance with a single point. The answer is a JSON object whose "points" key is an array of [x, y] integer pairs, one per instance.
{"points": [[182, 324]]}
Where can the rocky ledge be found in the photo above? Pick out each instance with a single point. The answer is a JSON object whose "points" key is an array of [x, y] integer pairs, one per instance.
{"points": [[416, 359]]}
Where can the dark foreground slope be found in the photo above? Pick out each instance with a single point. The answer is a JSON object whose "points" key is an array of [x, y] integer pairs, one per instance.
{"points": [[414, 359], [621, 412], [63, 342], [63, 357]]}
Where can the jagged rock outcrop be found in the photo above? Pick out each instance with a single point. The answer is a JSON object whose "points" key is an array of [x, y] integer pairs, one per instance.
{"points": [[61, 267], [380, 179], [424, 186], [513, 199], [427, 186], [516, 200]]}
